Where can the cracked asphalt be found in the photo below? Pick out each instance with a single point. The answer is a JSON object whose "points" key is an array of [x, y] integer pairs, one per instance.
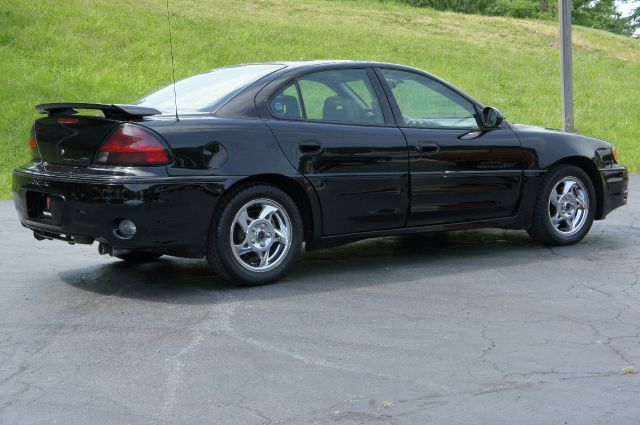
{"points": [[476, 327]]}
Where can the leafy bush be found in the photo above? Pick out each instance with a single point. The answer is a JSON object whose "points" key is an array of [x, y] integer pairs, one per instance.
{"points": [[601, 14]]}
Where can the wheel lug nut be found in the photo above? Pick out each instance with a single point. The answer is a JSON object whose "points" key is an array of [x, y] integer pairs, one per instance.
{"points": [[268, 235], [253, 241], [262, 225], [261, 243]]}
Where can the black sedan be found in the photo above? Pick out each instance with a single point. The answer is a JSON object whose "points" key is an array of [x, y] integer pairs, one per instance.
{"points": [[244, 164]]}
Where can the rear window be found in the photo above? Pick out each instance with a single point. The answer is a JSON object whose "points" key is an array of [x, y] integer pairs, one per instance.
{"points": [[205, 92]]}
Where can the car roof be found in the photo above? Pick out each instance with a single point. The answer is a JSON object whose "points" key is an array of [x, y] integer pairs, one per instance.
{"points": [[331, 63], [319, 63], [300, 65]]}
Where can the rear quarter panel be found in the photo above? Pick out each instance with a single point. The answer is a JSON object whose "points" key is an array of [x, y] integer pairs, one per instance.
{"points": [[236, 148], [204, 146]]}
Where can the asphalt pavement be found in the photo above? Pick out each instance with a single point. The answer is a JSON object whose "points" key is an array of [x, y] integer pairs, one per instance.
{"points": [[475, 327]]}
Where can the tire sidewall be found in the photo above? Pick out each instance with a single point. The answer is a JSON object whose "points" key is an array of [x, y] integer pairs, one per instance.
{"points": [[552, 181], [221, 235]]}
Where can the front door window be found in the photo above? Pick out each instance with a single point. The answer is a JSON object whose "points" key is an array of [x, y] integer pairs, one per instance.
{"points": [[426, 103]]}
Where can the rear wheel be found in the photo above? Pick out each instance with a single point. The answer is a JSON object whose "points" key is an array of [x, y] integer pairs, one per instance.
{"points": [[256, 237], [138, 257], [565, 207]]}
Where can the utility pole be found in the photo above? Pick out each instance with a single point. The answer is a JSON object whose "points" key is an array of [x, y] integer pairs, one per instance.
{"points": [[566, 73]]}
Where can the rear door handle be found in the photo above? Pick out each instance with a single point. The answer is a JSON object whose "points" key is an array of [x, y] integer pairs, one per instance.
{"points": [[310, 146], [428, 148]]}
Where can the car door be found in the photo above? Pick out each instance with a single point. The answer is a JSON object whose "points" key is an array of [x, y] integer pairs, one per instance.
{"points": [[458, 172], [336, 129]]}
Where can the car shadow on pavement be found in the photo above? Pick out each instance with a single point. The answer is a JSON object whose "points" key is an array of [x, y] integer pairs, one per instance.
{"points": [[360, 264]]}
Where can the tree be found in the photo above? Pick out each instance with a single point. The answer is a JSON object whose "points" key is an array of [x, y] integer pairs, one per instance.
{"points": [[634, 22], [544, 6], [601, 14]]}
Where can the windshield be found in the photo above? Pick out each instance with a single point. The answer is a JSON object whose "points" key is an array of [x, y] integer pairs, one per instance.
{"points": [[207, 91]]}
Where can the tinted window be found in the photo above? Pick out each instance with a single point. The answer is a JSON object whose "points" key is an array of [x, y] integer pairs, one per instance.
{"points": [[340, 96], [286, 103], [424, 102], [360, 88], [315, 94], [205, 92]]}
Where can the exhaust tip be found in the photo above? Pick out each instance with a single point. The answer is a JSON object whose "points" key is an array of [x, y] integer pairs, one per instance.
{"points": [[39, 237], [104, 249]]}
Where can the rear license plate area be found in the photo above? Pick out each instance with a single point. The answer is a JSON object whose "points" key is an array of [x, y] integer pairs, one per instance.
{"points": [[45, 207]]}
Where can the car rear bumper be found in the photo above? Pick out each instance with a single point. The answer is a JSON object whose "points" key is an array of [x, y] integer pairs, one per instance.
{"points": [[615, 182], [171, 214]]}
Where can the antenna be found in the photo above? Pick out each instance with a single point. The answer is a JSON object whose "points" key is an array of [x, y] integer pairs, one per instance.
{"points": [[173, 67]]}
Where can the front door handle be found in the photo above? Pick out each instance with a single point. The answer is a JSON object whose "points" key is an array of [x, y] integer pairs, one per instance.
{"points": [[428, 148], [310, 146]]}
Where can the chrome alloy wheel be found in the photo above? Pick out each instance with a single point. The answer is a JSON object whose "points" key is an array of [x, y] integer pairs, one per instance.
{"points": [[260, 235], [568, 206]]}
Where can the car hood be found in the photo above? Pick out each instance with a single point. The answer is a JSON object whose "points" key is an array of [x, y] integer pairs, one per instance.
{"points": [[556, 133]]}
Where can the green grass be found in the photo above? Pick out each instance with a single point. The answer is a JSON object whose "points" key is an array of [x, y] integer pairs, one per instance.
{"points": [[117, 51]]}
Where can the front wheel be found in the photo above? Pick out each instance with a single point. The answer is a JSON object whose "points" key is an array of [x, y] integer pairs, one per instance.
{"points": [[565, 207], [256, 237]]}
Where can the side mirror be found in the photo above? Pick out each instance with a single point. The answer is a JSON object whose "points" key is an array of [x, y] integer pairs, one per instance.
{"points": [[491, 117]]}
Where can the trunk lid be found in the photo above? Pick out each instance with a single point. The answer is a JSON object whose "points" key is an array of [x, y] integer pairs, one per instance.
{"points": [[71, 140], [65, 138]]}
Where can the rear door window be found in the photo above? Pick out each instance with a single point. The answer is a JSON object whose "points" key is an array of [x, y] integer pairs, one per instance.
{"points": [[335, 96]]}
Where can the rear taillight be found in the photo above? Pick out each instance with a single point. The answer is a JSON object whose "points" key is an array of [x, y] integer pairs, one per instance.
{"points": [[130, 144], [33, 145]]}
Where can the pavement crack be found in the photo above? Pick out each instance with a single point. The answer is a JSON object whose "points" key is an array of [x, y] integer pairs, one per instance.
{"points": [[216, 320], [491, 346]]}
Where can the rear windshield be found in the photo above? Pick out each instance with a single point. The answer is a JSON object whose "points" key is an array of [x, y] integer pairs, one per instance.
{"points": [[207, 91]]}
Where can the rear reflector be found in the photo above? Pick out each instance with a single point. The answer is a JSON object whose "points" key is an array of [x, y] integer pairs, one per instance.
{"points": [[131, 145], [68, 121]]}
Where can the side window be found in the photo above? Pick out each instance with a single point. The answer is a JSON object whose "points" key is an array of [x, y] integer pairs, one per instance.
{"points": [[360, 88], [345, 96], [286, 103], [424, 102], [314, 94]]}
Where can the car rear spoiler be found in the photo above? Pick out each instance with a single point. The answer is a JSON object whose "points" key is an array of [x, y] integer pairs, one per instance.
{"points": [[116, 111]]}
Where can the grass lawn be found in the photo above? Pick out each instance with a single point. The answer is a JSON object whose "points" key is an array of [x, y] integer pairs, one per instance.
{"points": [[115, 51]]}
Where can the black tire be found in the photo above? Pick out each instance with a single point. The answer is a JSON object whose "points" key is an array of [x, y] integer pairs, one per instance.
{"points": [[221, 256], [138, 257], [542, 230]]}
